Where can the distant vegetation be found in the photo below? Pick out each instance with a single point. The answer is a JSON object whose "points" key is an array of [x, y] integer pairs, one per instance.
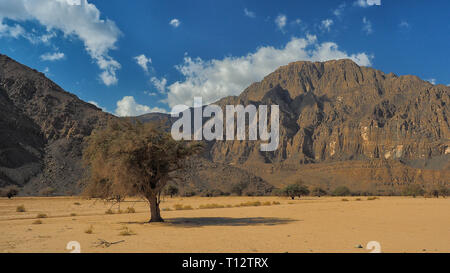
{"points": [[9, 191]]}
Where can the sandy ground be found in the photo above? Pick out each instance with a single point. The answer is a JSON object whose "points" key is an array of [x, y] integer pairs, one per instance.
{"points": [[328, 224]]}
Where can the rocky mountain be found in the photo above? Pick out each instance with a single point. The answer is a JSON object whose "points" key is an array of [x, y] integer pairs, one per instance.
{"points": [[345, 124], [41, 130], [340, 124]]}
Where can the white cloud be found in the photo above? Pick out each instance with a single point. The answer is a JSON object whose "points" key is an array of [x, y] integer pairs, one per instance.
{"points": [[82, 21], [98, 106], [280, 21], [143, 61], [127, 107], [175, 22], [432, 81], [249, 14], [52, 56], [326, 24], [215, 79], [367, 26], [11, 31], [367, 3], [160, 84]]}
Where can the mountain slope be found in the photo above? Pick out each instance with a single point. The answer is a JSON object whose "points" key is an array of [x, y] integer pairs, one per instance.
{"points": [[42, 128]]}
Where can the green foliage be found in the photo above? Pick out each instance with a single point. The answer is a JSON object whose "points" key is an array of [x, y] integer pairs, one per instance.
{"points": [[414, 190], [171, 190], [296, 190], [342, 191], [9, 191], [318, 191]]}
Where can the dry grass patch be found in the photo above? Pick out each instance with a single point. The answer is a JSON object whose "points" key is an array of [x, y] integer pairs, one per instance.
{"points": [[344, 199], [109, 211], [41, 215], [276, 203], [182, 207], [77, 204], [131, 210], [73, 214], [89, 230], [211, 206], [251, 204], [372, 198], [126, 232]]}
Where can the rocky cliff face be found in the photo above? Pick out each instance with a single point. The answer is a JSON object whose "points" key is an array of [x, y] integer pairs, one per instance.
{"points": [[337, 111], [41, 130]]}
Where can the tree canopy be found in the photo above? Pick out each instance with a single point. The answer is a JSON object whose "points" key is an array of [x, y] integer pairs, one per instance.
{"points": [[129, 158]]}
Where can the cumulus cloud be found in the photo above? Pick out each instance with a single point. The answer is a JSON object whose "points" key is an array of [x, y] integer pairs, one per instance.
{"points": [[128, 107], [143, 61], [326, 24], [175, 22], [249, 13], [367, 26], [81, 20], [215, 79], [367, 3], [280, 21], [52, 56]]}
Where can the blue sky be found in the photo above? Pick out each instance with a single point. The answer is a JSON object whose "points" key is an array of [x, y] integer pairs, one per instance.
{"points": [[133, 57]]}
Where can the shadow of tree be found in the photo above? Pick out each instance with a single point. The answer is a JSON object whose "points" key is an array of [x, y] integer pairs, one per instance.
{"points": [[226, 221]]}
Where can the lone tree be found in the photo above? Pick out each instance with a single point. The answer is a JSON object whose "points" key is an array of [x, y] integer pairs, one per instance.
{"points": [[129, 158], [171, 190], [296, 189]]}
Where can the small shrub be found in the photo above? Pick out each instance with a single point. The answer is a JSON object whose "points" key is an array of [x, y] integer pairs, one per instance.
{"points": [[89, 230], [47, 191], [318, 191], [296, 190], [267, 203], [131, 210], [9, 192], [166, 209], [372, 198], [41, 215], [341, 191], [21, 208], [414, 190], [344, 199], [126, 232], [73, 214], [358, 199], [276, 203], [109, 211], [171, 190], [77, 203], [37, 222]]}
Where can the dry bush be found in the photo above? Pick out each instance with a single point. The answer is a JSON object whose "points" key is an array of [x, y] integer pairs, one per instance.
{"points": [[344, 199], [73, 214], [109, 211], [41, 215], [126, 232], [372, 198], [251, 204], [77, 203], [131, 210], [89, 230], [267, 203], [276, 203], [37, 222], [21, 208]]}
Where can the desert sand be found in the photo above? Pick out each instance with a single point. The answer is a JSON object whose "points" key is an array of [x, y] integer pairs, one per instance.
{"points": [[326, 224]]}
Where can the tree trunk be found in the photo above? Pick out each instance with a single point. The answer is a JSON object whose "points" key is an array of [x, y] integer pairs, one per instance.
{"points": [[154, 209]]}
